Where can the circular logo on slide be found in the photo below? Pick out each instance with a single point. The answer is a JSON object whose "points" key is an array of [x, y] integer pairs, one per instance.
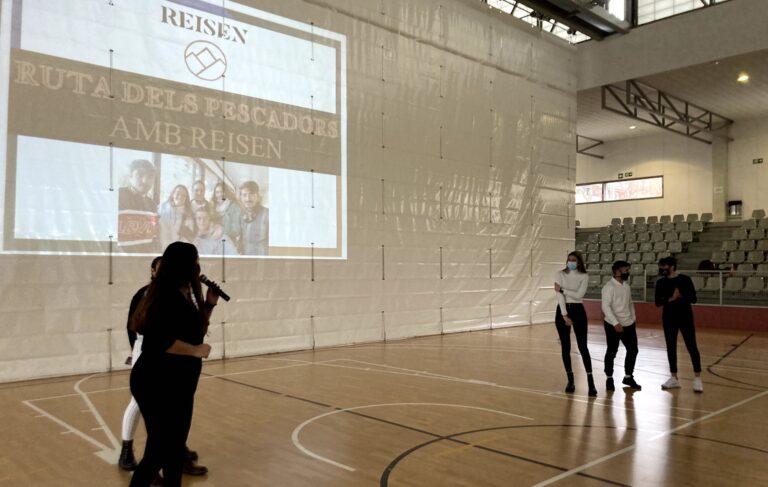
{"points": [[205, 60]]}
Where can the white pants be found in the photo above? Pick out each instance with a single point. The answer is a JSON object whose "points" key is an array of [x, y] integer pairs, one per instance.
{"points": [[131, 415]]}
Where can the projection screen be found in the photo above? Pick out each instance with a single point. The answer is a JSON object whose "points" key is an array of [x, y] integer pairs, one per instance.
{"points": [[125, 129]]}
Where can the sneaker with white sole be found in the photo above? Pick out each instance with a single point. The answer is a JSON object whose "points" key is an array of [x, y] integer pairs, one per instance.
{"points": [[698, 386], [671, 383]]}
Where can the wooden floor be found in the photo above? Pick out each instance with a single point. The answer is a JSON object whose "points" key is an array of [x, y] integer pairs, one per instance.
{"points": [[470, 409]]}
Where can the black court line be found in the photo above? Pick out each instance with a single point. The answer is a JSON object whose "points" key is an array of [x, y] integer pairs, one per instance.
{"points": [[437, 437], [721, 442], [724, 356], [384, 481]]}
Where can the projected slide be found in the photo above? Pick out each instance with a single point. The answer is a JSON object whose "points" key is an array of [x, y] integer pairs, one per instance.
{"points": [[136, 124]]}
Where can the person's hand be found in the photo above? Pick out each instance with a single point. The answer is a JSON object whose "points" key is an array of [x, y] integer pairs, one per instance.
{"points": [[568, 320], [129, 360], [676, 295], [211, 297], [618, 328], [557, 287], [203, 350]]}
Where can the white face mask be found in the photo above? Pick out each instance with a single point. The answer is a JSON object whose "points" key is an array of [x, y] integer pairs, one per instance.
{"points": [[572, 265]]}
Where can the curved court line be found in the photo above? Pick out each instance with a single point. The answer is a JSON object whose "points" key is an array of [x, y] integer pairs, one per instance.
{"points": [[95, 412], [67, 426], [297, 430]]}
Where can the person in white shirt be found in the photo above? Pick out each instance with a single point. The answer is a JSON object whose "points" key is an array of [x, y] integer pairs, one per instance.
{"points": [[620, 325], [570, 285]]}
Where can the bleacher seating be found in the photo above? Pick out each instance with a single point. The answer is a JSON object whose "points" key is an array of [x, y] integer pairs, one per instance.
{"points": [[678, 218], [758, 214], [692, 217], [734, 284], [755, 284], [698, 282], [706, 217], [665, 219]]}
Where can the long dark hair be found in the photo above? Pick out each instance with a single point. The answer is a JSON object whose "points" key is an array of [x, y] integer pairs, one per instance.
{"points": [[579, 262], [179, 267]]}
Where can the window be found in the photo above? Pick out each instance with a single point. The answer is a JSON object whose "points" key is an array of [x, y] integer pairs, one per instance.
{"points": [[621, 190], [650, 10]]}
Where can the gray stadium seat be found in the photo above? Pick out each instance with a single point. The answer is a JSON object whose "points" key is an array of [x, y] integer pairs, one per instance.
{"points": [[614, 229], [606, 279], [618, 247], [637, 269], [605, 237], [593, 247], [706, 217], [758, 214], [756, 257], [663, 254], [654, 227], [678, 218], [657, 237], [634, 258], [594, 281], [593, 237], [745, 268], [606, 258], [749, 224], [648, 258], [755, 285], [667, 227], [639, 219], [660, 247], [737, 257], [729, 245], [686, 237], [581, 247], [634, 246], [757, 233], [692, 217], [675, 247], [615, 221], [578, 223], [617, 237], [762, 245], [719, 257], [646, 247], [713, 284], [641, 227], [621, 256], [747, 245], [606, 269], [627, 220], [637, 282], [697, 227], [652, 269], [629, 227], [630, 237], [682, 227], [739, 234], [698, 282], [665, 219], [762, 270], [763, 224], [595, 258], [734, 284], [593, 268], [652, 219], [607, 247], [643, 237], [671, 237]]}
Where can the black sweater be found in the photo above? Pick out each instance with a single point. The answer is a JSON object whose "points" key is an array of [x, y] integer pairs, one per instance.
{"points": [[666, 286]]}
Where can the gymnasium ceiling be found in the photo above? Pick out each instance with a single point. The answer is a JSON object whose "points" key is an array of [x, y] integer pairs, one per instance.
{"points": [[712, 86]]}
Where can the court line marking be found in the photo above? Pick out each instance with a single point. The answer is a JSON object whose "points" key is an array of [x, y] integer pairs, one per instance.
{"points": [[67, 427], [428, 375], [99, 419], [617, 453], [297, 431]]}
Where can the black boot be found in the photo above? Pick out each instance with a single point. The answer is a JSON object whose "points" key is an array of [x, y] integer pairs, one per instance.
{"points": [[609, 384], [127, 461], [591, 385], [570, 388]]}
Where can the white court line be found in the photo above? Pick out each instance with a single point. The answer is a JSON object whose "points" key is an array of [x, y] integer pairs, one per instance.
{"points": [[617, 453], [69, 428], [95, 412], [297, 430], [551, 394]]}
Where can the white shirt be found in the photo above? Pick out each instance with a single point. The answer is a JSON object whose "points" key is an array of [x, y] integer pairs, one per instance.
{"points": [[574, 285], [617, 303]]}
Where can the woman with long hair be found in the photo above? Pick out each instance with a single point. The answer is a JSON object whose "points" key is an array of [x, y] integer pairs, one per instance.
{"points": [[176, 219], [570, 285], [227, 210], [173, 318]]}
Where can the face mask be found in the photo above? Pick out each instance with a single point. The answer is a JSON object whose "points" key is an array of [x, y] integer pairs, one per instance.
{"points": [[572, 265], [625, 276], [664, 272]]}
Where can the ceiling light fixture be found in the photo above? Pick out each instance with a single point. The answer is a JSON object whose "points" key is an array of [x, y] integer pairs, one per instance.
{"points": [[632, 127], [743, 78]]}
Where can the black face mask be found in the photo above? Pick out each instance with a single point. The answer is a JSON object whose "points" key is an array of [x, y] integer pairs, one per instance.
{"points": [[664, 272], [625, 276]]}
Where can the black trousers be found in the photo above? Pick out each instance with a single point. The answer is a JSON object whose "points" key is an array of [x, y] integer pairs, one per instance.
{"points": [[165, 394], [683, 324], [580, 327], [629, 338]]}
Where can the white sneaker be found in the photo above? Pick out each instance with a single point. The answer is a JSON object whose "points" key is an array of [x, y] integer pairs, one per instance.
{"points": [[672, 383], [698, 386]]}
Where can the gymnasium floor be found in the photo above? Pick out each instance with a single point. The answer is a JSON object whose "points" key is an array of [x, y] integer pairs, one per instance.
{"points": [[471, 409]]}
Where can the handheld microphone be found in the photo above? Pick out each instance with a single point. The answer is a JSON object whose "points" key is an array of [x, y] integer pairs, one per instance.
{"points": [[215, 287]]}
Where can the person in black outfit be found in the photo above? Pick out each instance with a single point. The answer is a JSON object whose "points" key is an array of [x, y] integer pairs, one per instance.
{"points": [[173, 319], [676, 293]]}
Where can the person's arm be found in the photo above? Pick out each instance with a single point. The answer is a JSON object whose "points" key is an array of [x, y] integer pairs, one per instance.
{"points": [[560, 296], [632, 315], [579, 293], [607, 304], [179, 347], [132, 309], [688, 290], [661, 300]]}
